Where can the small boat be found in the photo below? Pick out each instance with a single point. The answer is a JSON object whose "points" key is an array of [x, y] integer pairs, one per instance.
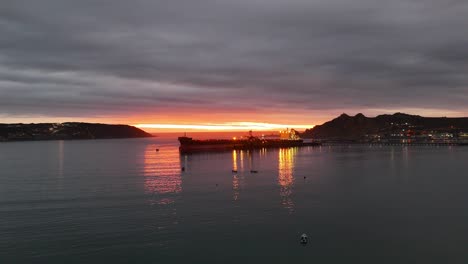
{"points": [[253, 171], [304, 239]]}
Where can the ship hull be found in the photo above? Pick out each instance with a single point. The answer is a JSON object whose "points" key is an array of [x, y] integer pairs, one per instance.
{"points": [[189, 145]]}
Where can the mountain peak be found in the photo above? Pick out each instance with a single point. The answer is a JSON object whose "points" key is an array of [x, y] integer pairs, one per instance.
{"points": [[399, 114], [357, 127]]}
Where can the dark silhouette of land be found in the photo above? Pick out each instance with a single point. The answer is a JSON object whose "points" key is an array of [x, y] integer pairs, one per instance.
{"points": [[396, 127], [71, 130]]}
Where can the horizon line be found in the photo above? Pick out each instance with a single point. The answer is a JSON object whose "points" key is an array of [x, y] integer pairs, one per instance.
{"points": [[223, 127]]}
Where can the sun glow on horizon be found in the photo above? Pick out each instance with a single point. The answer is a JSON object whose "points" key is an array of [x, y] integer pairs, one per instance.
{"points": [[232, 126]]}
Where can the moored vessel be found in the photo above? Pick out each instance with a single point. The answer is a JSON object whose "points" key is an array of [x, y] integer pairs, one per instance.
{"points": [[288, 138]]}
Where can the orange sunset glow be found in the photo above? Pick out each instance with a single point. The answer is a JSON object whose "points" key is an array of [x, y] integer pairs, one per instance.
{"points": [[235, 126]]}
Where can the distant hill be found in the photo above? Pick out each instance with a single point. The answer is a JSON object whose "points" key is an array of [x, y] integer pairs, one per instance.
{"points": [[347, 127], [55, 131]]}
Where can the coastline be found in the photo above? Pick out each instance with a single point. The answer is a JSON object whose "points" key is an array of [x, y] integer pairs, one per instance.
{"points": [[67, 131]]}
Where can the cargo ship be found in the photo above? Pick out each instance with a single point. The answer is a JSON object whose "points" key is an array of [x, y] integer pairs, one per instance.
{"points": [[287, 138]]}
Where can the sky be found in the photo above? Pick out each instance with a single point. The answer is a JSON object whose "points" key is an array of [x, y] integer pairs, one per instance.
{"points": [[218, 63]]}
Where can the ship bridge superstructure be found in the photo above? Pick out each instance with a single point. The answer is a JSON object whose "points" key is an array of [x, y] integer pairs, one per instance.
{"points": [[289, 134]]}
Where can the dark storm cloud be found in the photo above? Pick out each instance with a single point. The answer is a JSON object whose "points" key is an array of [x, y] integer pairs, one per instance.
{"points": [[115, 56]]}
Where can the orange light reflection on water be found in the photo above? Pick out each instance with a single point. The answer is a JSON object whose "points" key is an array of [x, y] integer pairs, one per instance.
{"points": [[241, 160], [162, 172], [235, 177], [285, 176], [234, 160]]}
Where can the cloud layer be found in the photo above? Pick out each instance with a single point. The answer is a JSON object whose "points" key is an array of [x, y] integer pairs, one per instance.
{"points": [[168, 58]]}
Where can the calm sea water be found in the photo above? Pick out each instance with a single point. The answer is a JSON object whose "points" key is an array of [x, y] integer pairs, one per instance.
{"points": [[120, 201]]}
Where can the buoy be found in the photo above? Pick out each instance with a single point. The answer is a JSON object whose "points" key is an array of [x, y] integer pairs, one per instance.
{"points": [[305, 177], [183, 168], [304, 239], [157, 149]]}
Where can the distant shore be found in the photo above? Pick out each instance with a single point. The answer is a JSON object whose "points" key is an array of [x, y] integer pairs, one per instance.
{"points": [[67, 131], [396, 129]]}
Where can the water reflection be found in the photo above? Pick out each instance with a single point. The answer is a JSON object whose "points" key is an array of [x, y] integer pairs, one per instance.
{"points": [[186, 162], [60, 158], [235, 187], [241, 154], [234, 160], [236, 180], [251, 160], [162, 173], [285, 176]]}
